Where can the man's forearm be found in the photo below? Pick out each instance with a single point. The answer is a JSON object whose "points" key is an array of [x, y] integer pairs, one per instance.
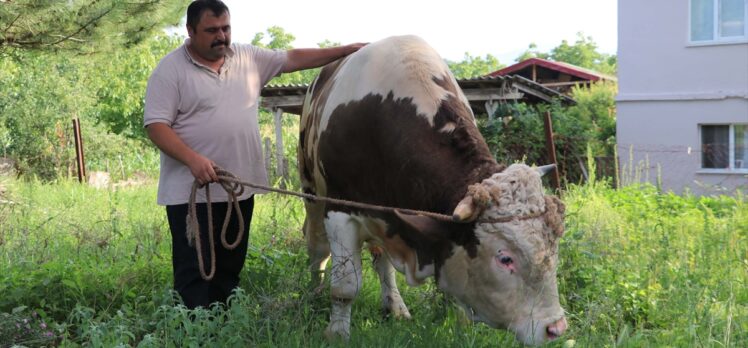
{"points": [[169, 142], [306, 58]]}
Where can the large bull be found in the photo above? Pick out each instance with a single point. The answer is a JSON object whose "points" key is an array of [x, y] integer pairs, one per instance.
{"points": [[389, 126]]}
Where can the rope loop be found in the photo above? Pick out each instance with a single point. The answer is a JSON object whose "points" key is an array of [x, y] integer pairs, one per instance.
{"points": [[233, 187]]}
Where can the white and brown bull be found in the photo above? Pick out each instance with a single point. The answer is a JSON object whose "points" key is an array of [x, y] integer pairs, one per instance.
{"points": [[389, 126]]}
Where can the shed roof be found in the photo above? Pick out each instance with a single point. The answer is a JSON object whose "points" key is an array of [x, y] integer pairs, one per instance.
{"points": [[578, 72]]}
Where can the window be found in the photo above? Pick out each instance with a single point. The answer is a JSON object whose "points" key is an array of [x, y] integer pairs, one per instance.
{"points": [[719, 20], [724, 147]]}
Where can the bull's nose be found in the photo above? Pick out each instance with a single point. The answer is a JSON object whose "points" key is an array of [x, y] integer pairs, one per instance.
{"points": [[556, 329]]}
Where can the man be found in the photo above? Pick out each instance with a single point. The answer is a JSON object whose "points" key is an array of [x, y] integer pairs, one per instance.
{"points": [[201, 110]]}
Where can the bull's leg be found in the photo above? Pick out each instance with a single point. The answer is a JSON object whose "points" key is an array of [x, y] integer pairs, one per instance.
{"points": [[317, 245], [345, 275], [392, 302]]}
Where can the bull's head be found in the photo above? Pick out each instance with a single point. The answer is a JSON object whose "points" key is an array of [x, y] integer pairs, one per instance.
{"points": [[510, 282]]}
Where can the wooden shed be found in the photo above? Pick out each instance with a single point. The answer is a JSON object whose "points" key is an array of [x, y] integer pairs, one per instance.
{"points": [[558, 76]]}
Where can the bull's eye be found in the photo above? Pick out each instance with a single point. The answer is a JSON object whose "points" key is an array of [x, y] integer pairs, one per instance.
{"points": [[506, 260]]}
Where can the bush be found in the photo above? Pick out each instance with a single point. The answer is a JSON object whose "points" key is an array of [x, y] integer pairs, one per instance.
{"points": [[516, 131]]}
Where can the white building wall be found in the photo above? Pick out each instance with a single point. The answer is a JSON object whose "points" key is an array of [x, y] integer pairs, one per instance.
{"points": [[661, 138], [667, 87]]}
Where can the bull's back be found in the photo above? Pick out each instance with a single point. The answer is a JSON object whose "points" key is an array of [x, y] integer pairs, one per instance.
{"points": [[378, 125]]}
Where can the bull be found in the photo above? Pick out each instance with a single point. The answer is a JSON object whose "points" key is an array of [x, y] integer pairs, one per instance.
{"points": [[389, 125]]}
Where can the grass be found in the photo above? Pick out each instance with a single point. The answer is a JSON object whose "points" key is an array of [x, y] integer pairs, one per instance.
{"points": [[88, 267]]}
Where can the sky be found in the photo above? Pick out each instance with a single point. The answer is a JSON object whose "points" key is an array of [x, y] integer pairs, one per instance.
{"points": [[502, 28]]}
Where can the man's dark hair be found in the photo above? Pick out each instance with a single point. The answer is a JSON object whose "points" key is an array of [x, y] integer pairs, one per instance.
{"points": [[196, 8]]}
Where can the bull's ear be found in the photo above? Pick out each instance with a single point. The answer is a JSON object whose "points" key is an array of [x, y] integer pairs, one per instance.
{"points": [[423, 224]]}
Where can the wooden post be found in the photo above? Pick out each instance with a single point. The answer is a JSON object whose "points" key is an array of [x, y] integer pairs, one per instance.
{"points": [[491, 107], [268, 157], [551, 149], [281, 170], [80, 160]]}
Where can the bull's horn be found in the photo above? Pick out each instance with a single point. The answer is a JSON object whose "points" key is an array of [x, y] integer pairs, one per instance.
{"points": [[465, 210], [543, 170]]}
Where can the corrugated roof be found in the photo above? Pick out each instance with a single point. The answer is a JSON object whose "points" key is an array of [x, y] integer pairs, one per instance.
{"points": [[533, 91]]}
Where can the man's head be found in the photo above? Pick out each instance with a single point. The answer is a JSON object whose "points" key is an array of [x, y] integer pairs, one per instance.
{"points": [[209, 28]]}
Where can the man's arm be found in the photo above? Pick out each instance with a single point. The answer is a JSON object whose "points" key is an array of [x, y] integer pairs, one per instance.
{"points": [[307, 58], [169, 142]]}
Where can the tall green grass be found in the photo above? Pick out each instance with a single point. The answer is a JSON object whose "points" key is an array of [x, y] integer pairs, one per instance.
{"points": [[88, 267]]}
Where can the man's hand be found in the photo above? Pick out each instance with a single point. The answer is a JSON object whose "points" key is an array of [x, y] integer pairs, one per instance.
{"points": [[351, 48], [307, 58], [202, 169]]}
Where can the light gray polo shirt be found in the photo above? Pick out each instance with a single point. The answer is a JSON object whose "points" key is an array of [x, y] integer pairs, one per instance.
{"points": [[214, 114]]}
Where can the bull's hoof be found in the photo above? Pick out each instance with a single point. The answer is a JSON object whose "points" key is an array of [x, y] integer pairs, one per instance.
{"points": [[402, 313], [337, 332], [319, 289], [393, 305], [398, 312]]}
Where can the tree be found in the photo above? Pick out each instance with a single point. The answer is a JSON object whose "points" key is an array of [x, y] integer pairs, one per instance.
{"points": [[84, 26], [582, 53], [39, 94], [532, 52], [279, 39], [282, 40], [119, 84], [472, 66]]}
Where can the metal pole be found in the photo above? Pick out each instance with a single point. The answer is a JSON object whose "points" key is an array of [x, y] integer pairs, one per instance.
{"points": [[80, 160], [551, 149]]}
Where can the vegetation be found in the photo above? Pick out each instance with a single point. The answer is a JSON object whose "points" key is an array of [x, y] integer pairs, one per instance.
{"points": [[91, 267], [582, 53], [41, 92], [83, 26], [476, 66]]}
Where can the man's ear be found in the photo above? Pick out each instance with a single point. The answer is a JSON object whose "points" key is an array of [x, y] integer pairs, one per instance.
{"points": [[424, 225]]}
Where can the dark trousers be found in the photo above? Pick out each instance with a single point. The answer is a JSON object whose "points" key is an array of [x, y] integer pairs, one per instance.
{"points": [[187, 280]]}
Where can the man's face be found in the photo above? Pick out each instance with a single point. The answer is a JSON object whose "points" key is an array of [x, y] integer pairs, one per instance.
{"points": [[212, 36]]}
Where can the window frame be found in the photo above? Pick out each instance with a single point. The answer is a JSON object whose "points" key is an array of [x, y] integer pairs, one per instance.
{"points": [[731, 146], [716, 39]]}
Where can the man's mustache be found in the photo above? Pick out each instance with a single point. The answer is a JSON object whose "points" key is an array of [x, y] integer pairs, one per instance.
{"points": [[218, 43]]}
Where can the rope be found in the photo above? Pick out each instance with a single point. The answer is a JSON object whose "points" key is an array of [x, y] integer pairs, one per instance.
{"points": [[235, 187], [512, 218], [437, 216]]}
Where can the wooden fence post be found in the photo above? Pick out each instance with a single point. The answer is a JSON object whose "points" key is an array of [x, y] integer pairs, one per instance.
{"points": [[281, 169], [268, 151], [550, 145], [80, 160]]}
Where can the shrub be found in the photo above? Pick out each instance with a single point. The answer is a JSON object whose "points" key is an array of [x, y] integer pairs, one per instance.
{"points": [[516, 131]]}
